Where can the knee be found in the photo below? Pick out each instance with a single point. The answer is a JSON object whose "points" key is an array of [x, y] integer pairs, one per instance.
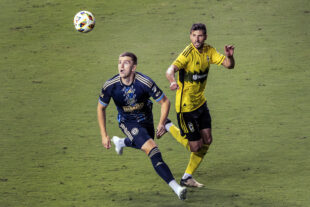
{"points": [[195, 148], [207, 136], [203, 151], [148, 146], [156, 158], [209, 140]]}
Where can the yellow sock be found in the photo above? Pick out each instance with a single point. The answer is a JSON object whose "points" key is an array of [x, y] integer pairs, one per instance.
{"points": [[195, 159], [175, 132]]}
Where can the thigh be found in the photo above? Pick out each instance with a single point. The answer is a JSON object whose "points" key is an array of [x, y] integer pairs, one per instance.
{"points": [[189, 125], [138, 134], [204, 119]]}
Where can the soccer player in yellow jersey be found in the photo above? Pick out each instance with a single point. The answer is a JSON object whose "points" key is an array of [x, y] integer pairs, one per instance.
{"points": [[193, 115]]}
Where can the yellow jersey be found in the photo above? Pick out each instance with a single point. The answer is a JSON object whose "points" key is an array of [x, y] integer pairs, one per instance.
{"points": [[192, 79]]}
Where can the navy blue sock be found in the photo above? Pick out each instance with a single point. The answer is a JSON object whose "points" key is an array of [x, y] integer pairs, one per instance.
{"points": [[128, 143], [160, 166]]}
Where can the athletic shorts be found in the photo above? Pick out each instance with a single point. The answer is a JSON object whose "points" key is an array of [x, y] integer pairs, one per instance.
{"points": [[138, 133], [191, 123]]}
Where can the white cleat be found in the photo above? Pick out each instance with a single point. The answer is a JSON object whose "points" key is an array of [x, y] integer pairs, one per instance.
{"points": [[116, 140], [182, 193]]}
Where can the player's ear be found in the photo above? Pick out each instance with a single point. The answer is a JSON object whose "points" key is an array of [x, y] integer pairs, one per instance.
{"points": [[134, 67]]}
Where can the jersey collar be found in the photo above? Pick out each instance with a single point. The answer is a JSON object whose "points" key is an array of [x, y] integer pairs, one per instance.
{"points": [[204, 48], [134, 80]]}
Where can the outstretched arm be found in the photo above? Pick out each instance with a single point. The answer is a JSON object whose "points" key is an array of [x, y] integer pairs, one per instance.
{"points": [[165, 107], [229, 61], [170, 76], [106, 142]]}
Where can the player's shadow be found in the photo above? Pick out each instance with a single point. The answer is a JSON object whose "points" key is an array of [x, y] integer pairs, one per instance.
{"points": [[202, 197]]}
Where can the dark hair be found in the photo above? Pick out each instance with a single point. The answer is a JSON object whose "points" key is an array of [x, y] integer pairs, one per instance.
{"points": [[199, 26], [131, 55]]}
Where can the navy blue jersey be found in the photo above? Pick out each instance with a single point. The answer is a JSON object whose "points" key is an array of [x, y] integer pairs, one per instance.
{"points": [[133, 102]]}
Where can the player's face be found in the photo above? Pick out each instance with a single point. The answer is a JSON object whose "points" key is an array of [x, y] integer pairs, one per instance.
{"points": [[125, 67], [198, 38]]}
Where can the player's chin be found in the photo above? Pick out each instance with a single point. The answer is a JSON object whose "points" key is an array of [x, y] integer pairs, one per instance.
{"points": [[122, 75], [198, 45]]}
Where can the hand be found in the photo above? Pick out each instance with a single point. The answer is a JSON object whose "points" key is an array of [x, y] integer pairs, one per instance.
{"points": [[160, 131], [229, 50], [106, 142], [174, 86]]}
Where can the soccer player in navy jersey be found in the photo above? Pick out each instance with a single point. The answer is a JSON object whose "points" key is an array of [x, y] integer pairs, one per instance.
{"points": [[131, 92]]}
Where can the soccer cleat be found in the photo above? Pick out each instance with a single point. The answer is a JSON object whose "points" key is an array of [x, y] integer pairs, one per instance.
{"points": [[190, 182], [182, 193], [116, 140]]}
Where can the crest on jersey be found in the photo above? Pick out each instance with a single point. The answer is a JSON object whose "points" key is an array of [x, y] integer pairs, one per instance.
{"points": [[130, 96], [134, 131], [191, 126], [208, 59]]}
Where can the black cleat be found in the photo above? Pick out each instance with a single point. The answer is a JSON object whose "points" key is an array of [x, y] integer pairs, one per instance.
{"points": [[167, 121]]}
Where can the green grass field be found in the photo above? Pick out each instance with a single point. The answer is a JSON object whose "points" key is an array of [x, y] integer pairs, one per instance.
{"points": [[51, 75]]}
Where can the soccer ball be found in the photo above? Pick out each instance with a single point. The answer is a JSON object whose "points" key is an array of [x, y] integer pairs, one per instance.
{"points": [[84, 21]]}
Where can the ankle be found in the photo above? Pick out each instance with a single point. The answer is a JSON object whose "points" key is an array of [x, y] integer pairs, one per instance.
{"points": [[186, 176]]}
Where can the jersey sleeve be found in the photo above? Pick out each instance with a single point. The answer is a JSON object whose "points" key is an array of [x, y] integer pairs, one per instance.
{"points": [[105, 97], [181, 61], [156, 93], [216, 57]]}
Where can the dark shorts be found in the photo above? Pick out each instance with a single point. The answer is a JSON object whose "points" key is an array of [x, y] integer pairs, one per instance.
{"points": [[138, 133], [191, 123]]}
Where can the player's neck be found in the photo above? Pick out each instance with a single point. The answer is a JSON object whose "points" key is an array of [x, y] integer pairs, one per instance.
{"points": [[200, 49], [128, 80]]}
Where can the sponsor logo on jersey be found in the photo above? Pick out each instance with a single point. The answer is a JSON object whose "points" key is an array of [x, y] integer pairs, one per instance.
{"points": [[158, 93], [137, 106], [199, 77]]}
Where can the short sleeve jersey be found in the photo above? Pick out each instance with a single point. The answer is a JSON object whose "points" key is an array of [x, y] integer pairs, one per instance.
{"points": [[132, 102], [194, 68]]}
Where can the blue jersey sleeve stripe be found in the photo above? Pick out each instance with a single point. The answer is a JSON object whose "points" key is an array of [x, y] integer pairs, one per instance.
{"points": [[102, 103], [161, 97]]}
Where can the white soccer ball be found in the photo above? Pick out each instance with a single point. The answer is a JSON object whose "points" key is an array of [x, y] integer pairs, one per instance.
{"points": [[84, 21]]}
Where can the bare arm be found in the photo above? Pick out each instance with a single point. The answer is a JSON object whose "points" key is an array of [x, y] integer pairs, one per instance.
{"points": [[106, 142], [229, 61], [170, 76], [165, 107]]}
